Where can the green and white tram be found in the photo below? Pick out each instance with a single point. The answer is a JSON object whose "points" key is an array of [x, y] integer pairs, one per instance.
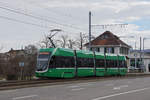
{"points": [[68, 63]]}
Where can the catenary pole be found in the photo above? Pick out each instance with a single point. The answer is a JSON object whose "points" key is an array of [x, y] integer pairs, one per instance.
{"points": [[89, 30], [140, 51]]}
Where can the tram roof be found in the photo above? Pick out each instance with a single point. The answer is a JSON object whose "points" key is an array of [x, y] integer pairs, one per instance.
{"points": [[82, 53], [47, 49], [63, 52]]}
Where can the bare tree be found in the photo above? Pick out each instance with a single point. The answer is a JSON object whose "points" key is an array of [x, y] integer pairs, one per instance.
{"points": [[12, 69], [81, 40], [45, 43], [30, 61], [64, 40], [71, 44], [48, 40], [31, 49], [1, 62]]}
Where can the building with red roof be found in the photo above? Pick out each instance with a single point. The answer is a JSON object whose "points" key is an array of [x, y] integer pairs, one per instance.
{"points": [[107, 42]]}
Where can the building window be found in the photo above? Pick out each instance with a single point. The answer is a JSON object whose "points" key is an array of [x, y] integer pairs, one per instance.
{"points": [[124, 50], [91, 48], [109, 50], [98, 49], [105, 36]]}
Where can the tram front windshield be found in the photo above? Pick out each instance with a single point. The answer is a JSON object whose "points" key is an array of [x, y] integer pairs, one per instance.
{"points": [[42, 61]]}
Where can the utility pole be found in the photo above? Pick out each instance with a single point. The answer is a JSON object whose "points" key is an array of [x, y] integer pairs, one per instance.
{"points": [[135, 57], [135, 45], [140, 51], [90, 30]]}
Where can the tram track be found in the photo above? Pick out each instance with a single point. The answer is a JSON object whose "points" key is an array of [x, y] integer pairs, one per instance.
{"points": [[47, 82]]}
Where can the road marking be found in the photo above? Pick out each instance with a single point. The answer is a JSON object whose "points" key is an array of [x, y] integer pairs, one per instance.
{"points": [[79, 85], [77, 89], [29, 96], [84, 84], [74, 86], [118, 88], [113, 95]]}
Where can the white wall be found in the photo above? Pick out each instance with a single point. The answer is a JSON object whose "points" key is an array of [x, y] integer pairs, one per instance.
{"points": [[102, 49], [146, 63], [117, 50]]}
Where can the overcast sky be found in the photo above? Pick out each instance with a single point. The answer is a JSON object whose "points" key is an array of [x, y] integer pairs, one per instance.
{"points": [[24, 22]]}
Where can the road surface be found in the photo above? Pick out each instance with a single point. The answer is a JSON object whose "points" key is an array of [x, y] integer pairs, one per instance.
{"points": [[121, 89]]}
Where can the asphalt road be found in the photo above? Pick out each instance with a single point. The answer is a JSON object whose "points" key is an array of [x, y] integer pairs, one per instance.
{"points": [[122, 89]]}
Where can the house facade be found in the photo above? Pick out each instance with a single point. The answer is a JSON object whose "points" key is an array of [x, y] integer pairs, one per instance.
{"points": [[107, 42]]}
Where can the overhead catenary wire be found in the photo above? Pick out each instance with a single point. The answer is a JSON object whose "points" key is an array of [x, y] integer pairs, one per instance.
{"points": [[24, 22], [59, 13], [39, 6], [65, 15], [39, 18], [29, 23]]}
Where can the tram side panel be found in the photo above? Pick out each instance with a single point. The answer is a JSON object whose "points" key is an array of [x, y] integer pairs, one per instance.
{"points": [[85, 63]]}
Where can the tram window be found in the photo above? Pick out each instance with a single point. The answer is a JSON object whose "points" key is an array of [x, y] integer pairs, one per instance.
{"points": [[99, 62], [85, 62], [107, 63], [120, 64], [124, 64], [115, 63], [112, 63], [43, 55], [61, 61]]}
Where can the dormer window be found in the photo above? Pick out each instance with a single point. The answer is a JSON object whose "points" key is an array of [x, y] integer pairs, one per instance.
{"points": [[104, 36]]}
